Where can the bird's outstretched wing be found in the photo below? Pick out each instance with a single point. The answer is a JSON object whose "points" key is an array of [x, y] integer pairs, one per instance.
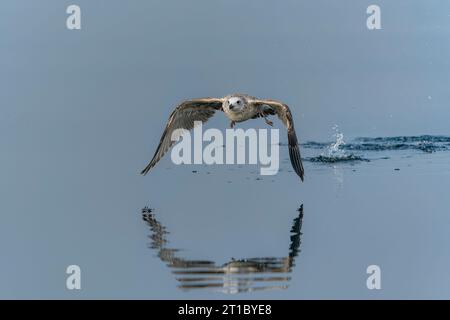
{"points": [[183, 117], [268, 107]]}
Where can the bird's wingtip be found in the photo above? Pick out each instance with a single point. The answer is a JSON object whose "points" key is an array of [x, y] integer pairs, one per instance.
{"points": [[145, 171]]}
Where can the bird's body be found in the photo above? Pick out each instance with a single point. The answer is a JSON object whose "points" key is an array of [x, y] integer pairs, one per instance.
{"points": [[237, 108]]}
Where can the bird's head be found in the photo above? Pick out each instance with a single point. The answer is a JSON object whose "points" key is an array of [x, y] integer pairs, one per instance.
{"points": [[236, 103]]}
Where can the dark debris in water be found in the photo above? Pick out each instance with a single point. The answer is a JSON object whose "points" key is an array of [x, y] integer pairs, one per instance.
{"points": [[423, 146], [335, 159], [407, 139]]}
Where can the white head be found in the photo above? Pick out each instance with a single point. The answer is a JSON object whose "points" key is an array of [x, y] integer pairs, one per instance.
{"points": [[236, 103]]}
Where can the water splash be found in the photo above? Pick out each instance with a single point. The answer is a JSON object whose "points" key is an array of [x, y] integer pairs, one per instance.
{"points": [[335, 152], [424, 143], [335, 148]]}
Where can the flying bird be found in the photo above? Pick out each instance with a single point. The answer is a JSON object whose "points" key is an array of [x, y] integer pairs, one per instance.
{"points": [[238, 108]]}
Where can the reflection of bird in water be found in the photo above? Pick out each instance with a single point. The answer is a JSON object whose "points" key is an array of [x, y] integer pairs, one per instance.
{"points": [[238, 108], [237, 275]]}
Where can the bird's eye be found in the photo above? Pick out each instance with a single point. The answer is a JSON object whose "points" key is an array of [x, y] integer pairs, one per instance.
{"points": [[239, 102]]}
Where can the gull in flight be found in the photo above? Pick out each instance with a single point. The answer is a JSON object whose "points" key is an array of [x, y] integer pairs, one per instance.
{"points": [[238, 108]]}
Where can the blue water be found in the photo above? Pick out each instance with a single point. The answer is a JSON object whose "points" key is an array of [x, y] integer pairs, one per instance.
{"points": [[376, 175], [364, 148], [236, 275]]}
